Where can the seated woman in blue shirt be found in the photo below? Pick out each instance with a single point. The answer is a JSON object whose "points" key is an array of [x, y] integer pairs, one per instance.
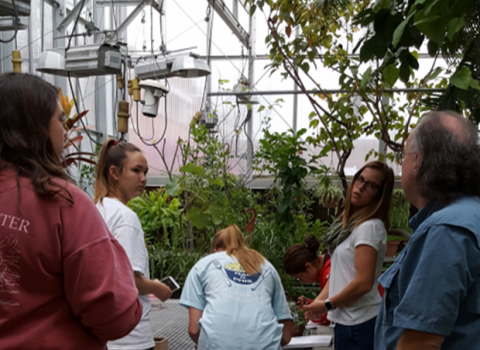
{"points": [[235, 298]]}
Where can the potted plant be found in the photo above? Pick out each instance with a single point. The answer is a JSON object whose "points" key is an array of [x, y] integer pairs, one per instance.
{"points": [[328, 194]]}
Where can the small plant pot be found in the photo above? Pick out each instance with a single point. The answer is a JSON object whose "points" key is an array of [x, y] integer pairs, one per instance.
{"points": [[392, 248]]}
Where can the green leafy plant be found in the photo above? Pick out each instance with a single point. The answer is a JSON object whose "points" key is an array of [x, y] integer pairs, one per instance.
{"points": [[160, 218], [399, 211], [325, 190], [280, 154]]}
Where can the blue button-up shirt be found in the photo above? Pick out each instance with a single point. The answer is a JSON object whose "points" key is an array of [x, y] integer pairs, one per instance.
{"points": [[434, 284]]}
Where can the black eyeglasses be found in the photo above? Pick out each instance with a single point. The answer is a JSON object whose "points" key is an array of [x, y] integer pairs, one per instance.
{"points": [[368, 184]]}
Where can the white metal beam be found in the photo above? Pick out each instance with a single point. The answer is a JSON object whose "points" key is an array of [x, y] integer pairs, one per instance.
{"points": [[230, 20]]}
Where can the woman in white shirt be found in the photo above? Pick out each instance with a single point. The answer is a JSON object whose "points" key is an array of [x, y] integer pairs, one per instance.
{"points": [[121, 176], [357, 242]]}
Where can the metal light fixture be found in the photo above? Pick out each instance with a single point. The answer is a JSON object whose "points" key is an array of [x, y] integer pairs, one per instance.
{"points": [[190, 66], [22, 8], [8, 24], [52, 62], [90, 60], [184, 65]]}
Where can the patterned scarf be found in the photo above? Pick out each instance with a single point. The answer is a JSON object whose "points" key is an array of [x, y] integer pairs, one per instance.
{"points": [[336, 234]]}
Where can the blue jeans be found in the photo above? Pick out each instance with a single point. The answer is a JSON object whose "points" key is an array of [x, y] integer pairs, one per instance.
{"points": [[358, 337]]}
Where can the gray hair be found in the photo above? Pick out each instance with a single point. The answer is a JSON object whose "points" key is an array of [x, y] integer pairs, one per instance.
{"points": [[450, 156]]}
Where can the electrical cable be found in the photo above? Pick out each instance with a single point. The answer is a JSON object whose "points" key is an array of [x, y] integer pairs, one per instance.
{"points": [[28, 45], [164, 131], [15, 26], [78, 112], [75, 26]]}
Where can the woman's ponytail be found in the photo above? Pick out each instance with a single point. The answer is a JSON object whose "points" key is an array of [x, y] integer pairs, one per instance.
{"points": [[231, 240]]}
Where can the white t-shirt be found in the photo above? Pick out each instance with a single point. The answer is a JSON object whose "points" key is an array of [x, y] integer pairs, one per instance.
{"points": [[125, 226], [343, 271]]}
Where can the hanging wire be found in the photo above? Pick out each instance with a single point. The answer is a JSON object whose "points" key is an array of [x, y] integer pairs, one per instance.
{"points": [[75, 26], [78, 112], [28, 45], [15, 27], [144, 141]]}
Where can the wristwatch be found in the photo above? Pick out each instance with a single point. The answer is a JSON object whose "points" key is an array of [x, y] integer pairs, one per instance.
{"points": [[329, 305]]}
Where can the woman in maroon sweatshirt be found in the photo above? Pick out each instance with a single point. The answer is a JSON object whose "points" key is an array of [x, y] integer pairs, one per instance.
{"points": [[65, 282]]}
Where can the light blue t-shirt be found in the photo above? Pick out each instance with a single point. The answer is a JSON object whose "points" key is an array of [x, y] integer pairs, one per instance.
{"points": [[240, 311]]}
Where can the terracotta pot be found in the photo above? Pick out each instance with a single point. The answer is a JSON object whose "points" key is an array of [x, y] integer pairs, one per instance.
{"points": [[392, 248]]}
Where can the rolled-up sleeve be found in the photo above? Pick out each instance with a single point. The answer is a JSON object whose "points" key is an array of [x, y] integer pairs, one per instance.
{"points": [[440, 279]]}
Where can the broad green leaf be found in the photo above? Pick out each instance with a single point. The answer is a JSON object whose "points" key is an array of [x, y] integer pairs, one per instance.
{"points": [[366, 77], [461, 78], [218, 182], [216, 210], [193, 169], [391, 74], [426, 20], [397, 35], [435, 74], [454, 26], [173, 188], [474, 84], [198, 218], [314, 123]]}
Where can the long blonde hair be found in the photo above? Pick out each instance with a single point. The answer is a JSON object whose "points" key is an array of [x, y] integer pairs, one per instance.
{"points": [[231, 241], [379, 208], [113, 153]]}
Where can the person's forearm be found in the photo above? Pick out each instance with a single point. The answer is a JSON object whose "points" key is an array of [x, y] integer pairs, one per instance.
{"points": [[351, 293], [144, 286], [415, 340], [287, 331]]}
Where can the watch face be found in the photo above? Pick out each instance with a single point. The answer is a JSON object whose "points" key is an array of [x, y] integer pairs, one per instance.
{"points": [[328, 305]]}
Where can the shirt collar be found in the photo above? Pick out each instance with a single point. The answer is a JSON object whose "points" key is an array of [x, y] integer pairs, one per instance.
{"points": [[423, 215]]}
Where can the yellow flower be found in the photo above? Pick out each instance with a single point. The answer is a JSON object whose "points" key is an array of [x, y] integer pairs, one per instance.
{"points": [[66, 104]]}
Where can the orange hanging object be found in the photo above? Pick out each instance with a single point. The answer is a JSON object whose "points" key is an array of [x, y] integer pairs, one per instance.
{"points": [[130, 86], [17, 61], [120, 81], [123, 115], [136, 90]]}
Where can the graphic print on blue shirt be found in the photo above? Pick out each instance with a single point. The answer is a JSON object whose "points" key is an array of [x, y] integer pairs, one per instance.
{"points": [[237, 274]]}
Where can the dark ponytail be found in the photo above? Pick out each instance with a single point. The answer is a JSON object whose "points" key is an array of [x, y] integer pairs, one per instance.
{"points": [[298, 255]]}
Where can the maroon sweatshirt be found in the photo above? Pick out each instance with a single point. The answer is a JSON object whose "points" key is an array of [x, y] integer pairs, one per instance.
{"points": [[65, 282]]}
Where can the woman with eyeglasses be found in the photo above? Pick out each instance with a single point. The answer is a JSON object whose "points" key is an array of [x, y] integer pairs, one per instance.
{"points": [[357, 242]]}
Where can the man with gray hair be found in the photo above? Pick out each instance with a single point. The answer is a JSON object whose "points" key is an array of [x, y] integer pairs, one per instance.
{"points": [[432, 291]]}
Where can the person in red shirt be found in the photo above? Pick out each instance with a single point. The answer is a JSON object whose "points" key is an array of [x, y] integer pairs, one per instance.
{"points": [[65, 281], [302, 263]]}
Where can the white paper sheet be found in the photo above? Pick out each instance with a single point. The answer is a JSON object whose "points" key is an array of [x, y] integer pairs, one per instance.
{"points": [[309, 341]]}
